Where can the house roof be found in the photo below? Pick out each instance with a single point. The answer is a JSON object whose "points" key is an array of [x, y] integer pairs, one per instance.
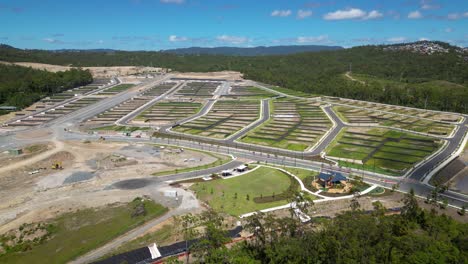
{"points": [[334, 177]]}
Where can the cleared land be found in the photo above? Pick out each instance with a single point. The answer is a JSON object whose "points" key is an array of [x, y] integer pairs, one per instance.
{"points": [[248, 92], [72, 234], [294, 125], [168, 112], [117, 112], [238, 195], [375, 116], [224, 119], [381, 150], [197, 90]]}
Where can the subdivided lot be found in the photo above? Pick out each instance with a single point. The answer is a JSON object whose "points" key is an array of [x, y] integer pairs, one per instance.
{"points": [[381, 150], [117, 112], [224, 119], [159, 89], [168, 112], [197, 90], [260, 189], [116, 89], [63, 239], [362, 116], [248, 92], [421, 113], [54, 113], [294, 125]]}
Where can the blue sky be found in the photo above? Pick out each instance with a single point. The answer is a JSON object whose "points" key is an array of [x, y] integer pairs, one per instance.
{"points": [[163, 24]]}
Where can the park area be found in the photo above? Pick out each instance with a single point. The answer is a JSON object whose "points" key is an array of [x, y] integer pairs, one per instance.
{"points": [[381, 150], [224, 119], [409, 121], [293, 125], [259, 189]]}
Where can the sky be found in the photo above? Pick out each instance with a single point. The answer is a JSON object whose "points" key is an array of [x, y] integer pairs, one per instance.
{"points": [[166, 24]]}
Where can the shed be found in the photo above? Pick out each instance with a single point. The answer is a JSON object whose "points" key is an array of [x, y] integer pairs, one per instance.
{"points": [[241, 168], [226, 173], [328, 179]]}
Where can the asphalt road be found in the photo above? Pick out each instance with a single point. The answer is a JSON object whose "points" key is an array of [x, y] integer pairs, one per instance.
{"points": [[453, 143], [332, 134], [264, 117]]}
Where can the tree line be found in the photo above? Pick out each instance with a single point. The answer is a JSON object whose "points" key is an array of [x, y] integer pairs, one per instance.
{"points": [[22, 86], [414, 236], [312, 72]]}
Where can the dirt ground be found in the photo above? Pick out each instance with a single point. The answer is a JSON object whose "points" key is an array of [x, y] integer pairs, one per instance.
{"points": [[33, 191], [228, 75], [95, 71]]}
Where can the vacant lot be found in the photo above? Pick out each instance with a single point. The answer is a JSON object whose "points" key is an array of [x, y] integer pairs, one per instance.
{"points": [[381, 150], [248, 92], [224, 119], [74, 234], [294, 125], [167, 112], [237, 195]]}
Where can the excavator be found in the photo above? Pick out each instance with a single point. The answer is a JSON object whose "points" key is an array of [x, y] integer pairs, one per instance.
{"points": [[57, 165]]}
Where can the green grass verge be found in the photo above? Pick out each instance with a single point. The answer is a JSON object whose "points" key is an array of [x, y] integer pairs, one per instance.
{"points": [[221, 194], [79, 232]]}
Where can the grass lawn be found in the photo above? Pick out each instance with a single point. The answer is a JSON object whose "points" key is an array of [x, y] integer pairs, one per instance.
{"points": [[79, 232], [220, 160], [220, 194]]}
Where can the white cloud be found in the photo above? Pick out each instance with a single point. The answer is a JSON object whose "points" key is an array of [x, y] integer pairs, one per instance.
{"points": [[301, 14], [100, 41], [465, 14], [52, 40], [424, 39], [232, 39], [352, 13], [449, 30], [281, 13], [178, 2], [318, 39], [415, 15], [396, 39], [427, 5], [453, 16], [374, 14], [174, 38]]}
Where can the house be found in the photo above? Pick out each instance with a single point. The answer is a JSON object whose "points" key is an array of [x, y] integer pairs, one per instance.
{"points": [[330, 179]]}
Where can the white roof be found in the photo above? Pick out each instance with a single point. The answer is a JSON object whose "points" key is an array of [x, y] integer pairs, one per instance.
{"points": [[242, 167]]}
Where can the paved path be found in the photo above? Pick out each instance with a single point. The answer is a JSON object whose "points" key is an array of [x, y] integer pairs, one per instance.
{"points": [[265, 115], [332, 134]]}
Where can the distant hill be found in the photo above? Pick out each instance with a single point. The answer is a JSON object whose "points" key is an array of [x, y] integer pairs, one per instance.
{"points": [[254, 51]]}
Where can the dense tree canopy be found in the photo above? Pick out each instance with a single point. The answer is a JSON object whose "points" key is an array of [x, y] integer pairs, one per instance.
{"points": [[411, 76], [21, 86], [415, 236]]}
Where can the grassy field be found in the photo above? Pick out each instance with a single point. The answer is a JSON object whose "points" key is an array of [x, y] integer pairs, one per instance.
{"points": [[221, 194], [220, 160], [76, 233]]}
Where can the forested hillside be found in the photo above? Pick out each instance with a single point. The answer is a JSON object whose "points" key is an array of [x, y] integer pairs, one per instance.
{"points": [[317, 72], [21, 86]]}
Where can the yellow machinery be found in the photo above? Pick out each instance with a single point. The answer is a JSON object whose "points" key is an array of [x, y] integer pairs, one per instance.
{"points": [[57, 165]]}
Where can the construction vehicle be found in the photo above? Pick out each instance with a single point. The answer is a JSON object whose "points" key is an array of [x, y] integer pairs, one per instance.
{"points": [[57, 165]]}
